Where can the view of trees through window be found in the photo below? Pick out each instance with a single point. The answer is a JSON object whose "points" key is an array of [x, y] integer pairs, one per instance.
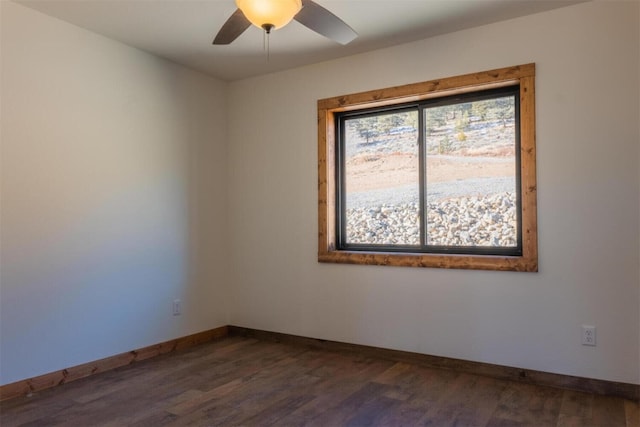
{"points": [[470, 175]]}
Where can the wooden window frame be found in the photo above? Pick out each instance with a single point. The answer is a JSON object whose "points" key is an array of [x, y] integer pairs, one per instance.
{"points": [[522, 75]]}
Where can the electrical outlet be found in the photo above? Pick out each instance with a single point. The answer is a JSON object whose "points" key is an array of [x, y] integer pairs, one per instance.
{"points": [[177, 307], [588, 335]]}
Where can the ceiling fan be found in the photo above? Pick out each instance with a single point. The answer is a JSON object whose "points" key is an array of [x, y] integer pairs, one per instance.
{"points": [[274, 14]]}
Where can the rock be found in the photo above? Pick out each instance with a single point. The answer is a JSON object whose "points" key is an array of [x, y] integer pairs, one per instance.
{"points": [[463, 221]]}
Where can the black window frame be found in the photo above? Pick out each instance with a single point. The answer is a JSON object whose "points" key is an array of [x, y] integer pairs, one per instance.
{"points": [[421, 107]]}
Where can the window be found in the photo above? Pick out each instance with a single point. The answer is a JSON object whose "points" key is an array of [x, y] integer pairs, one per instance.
{"points": [[434, 174]]}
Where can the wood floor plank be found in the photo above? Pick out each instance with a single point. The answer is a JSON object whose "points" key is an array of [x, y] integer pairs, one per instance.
{"points": [[273, 414], [373, 412], [343, 376], [424, 385], [565, 420], [198, 398], [471, 401], [525, 404], [251, 382], [257, 391], [24, 410], [402, 414], [577, 404], [395, 373], [608, 411], [221, 416], [586, 409], [419, 389], [632, 413], [156, 419], [340, 414]]}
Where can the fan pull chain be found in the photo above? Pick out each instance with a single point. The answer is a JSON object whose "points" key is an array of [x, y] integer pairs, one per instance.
{"points": [[265, 38]]}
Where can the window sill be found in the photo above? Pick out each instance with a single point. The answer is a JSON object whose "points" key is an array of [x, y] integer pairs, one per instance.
{"points": [[407, 259]]}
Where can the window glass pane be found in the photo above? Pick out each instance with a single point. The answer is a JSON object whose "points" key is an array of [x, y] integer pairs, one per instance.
{"points": [[382, 179], [471, 174]]}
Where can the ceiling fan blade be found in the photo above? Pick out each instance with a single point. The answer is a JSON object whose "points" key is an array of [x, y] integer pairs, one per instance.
{"points": [[320, 20], [235, 25]]}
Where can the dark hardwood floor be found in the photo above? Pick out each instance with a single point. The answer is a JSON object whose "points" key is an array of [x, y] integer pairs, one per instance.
{"points": [[248, 382]]}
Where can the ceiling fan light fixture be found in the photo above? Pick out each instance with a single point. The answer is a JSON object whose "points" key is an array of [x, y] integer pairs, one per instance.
{"points": [[270, 13]]}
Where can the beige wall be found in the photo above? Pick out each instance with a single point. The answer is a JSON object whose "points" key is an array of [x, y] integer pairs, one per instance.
{"points": [[113, 189], [587, 134]]}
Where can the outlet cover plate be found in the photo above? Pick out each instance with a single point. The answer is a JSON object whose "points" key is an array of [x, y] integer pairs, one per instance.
{"points": [[589, 335]]}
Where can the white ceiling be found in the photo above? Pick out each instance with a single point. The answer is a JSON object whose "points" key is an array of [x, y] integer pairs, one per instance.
{"points": [[182, 30]]}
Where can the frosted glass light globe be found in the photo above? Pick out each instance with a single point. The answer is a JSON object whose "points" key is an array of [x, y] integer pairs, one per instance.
{"points": [[276, 13]]}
